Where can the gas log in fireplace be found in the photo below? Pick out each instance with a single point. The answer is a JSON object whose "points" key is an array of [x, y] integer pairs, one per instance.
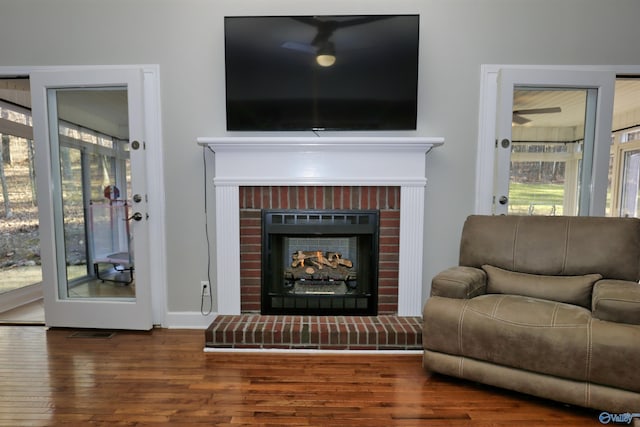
{"points": [[320, 262]]}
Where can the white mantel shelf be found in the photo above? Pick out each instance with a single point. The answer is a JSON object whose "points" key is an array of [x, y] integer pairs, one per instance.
{"points": [[320, 160], [312, 160], [233, 143]]}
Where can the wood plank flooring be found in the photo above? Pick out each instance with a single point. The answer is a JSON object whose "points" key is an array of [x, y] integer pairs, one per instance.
{"points": [[163, 378]]}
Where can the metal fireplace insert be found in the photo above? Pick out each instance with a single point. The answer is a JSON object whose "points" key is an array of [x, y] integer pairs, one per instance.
{"points": [[320, 262]]}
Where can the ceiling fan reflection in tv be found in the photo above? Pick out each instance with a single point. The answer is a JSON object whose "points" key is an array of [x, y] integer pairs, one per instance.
{"points": [[322, 46]]}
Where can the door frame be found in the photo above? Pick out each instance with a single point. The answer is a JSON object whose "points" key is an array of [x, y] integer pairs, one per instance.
{"points": [[155, 172], [488, 115]]}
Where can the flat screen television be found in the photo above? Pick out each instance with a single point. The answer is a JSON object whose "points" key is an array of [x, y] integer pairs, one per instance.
{"points": [[355, 72]]}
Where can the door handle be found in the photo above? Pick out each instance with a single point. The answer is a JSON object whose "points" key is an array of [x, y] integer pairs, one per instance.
{"points": [[503, 200], [137, 216]]}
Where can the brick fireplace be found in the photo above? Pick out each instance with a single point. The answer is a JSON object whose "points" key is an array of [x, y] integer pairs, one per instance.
{"points": [[299, 169], [383, 199]]}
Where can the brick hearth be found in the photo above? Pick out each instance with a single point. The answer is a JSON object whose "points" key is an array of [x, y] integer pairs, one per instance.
{"points": [[247, 331]]}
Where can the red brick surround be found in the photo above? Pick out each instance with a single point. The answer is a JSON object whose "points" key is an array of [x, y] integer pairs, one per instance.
{"points": [[254, 199]]}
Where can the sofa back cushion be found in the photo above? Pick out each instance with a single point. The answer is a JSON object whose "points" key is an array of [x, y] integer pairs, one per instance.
{"points": [[575, 290], [566, 246]]}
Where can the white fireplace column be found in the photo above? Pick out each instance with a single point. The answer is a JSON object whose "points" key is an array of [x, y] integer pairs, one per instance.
{"points": [[228, 249], [320, 161]]}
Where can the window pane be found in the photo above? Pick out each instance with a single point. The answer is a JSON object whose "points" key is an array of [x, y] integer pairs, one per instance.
{"points": [[92, 215], [538, 178], [622, 190], [631, 178], [73, 212], [546, 151], [631, 136], [20, 240]]}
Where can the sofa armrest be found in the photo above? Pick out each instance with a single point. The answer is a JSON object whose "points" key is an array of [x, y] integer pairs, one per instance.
{"points": [[459, 282], [616, 301]]}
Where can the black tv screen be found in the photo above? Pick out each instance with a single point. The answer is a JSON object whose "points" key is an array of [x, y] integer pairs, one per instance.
{"points": [[321, 72]]}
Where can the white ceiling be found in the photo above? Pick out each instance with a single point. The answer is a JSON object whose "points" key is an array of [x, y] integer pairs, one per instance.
{"points": [[100, 109], [572, 104]]}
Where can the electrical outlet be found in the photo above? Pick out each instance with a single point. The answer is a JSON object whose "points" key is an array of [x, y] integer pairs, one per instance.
{"points": [[205, 289]]}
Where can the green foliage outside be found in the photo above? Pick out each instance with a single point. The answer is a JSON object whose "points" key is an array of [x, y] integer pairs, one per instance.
{"points": [[535, 199]]}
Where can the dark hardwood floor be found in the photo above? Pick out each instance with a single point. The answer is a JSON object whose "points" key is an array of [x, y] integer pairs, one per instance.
{"points": [[163, 378]]}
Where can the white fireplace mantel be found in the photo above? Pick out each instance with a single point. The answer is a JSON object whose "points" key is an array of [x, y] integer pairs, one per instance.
{"points": [[320, 161]]}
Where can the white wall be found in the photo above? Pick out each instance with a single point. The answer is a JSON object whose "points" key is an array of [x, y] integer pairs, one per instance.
{"points": [[185, 37]]}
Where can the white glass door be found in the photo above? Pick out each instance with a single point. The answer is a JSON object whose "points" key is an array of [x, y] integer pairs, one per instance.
{"points": [[553, 138], [88, 127]]}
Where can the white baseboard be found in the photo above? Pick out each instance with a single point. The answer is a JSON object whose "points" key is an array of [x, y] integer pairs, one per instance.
{"points": [[188, 320]]}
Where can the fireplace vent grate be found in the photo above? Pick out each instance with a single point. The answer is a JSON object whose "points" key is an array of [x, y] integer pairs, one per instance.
{"points": [[335, 262]]}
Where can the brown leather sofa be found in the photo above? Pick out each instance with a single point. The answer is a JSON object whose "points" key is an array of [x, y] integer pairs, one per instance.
{"points": [[548, 306]]}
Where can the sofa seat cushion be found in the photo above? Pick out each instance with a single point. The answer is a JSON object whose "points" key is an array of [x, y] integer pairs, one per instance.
{"points": [[569, 289], [615, 355], [516, 331]]}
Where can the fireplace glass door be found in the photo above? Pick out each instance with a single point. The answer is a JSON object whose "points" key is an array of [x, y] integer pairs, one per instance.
{"points": [[320, 262]]}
